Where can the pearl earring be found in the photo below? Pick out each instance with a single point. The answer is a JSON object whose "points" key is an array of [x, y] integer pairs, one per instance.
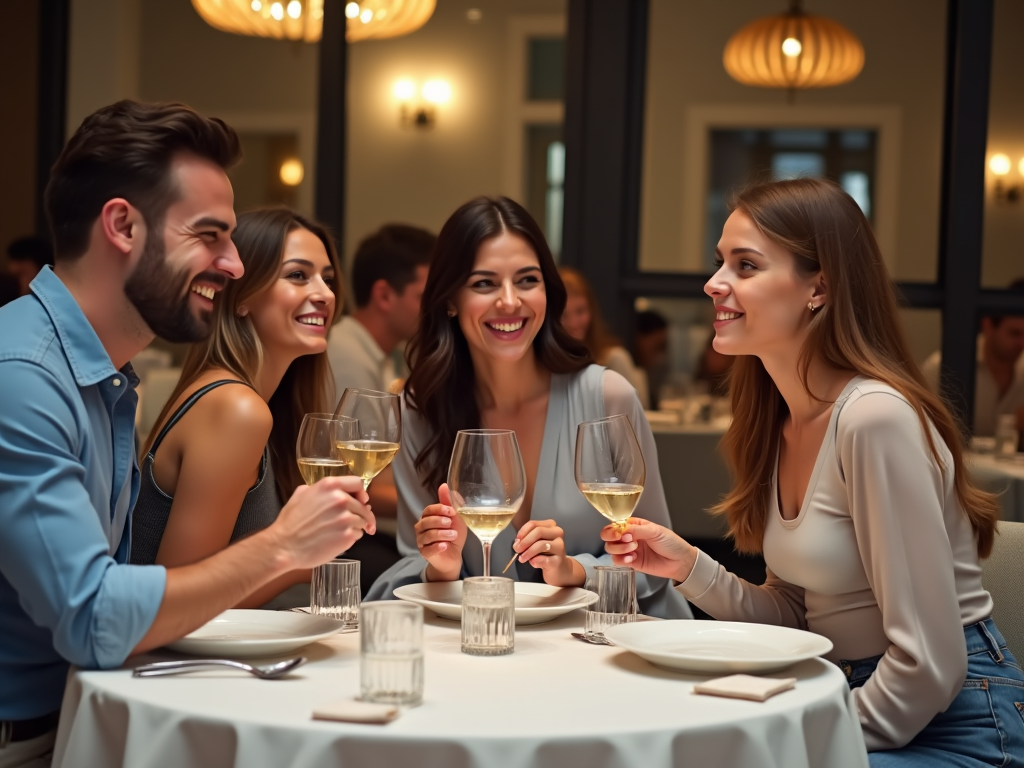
{"points": [[242, 311], [810, 306]]}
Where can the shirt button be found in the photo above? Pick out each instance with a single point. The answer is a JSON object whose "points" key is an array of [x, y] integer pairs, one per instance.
{"points": [[116, 382]]}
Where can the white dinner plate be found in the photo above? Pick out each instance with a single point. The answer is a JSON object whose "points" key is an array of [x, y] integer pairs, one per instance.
{"points": [[242, 633], [535, 603], [713, 647]]}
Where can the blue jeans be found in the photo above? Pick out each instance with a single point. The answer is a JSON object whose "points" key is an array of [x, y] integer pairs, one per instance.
{"points": [[984, 726]]}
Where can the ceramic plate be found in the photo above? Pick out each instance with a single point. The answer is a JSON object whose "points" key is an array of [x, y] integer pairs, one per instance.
{"points": [[243, 633], [535, 603], [718, 647]]}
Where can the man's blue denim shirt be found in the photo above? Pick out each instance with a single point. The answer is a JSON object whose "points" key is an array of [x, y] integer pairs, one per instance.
{"points": [[68, 482]]}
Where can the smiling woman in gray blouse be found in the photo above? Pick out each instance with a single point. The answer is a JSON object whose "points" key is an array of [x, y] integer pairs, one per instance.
{"points": [[491, 353], [851, 481]]}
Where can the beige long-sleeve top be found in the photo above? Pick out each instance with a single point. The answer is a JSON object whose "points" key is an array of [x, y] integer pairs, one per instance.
{"points": [[881, 559]]}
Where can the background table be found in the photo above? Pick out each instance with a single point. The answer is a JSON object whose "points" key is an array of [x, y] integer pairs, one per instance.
{"points": [[554, 703], [1003, 477], [694, 475]]}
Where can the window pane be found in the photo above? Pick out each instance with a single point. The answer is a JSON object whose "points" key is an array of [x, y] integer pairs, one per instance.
{"points": [[545, 175], [546, 81], [890, 116]]}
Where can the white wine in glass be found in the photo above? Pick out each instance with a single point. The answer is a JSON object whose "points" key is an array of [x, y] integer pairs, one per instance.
{"points": [[316, 449], [487, 483], [610, 468], [379, 434]]}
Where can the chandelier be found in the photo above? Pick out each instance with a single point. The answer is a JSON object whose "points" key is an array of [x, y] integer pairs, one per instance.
{"points": [[303, 19], [794, 50]]}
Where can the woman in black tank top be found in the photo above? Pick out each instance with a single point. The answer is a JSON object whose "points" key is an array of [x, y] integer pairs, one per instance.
{"points": [[221, 458]]}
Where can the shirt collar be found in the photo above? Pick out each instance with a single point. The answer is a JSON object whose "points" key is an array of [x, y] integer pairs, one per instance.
{"points": [[89, 361]]}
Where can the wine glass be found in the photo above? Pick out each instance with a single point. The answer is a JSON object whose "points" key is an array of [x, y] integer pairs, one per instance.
{"points": [[487, 483], [316, 448], [610, 469], [379, 433]]}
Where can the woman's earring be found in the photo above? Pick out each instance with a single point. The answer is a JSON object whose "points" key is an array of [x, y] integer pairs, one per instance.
{"points": [[242, 311], [451, 313], [810, 306]]}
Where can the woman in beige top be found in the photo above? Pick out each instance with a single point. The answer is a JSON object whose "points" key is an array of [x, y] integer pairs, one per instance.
{"points": [[850, 480]]}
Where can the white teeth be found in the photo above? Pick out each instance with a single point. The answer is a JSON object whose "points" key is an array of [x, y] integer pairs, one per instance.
{"points": [[507, 327], [204, 291], [727, 315], [311, 320]]}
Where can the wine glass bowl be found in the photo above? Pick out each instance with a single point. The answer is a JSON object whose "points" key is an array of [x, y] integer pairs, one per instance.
{"points": [[487, 483], [379, 435], [316, 448], [610, 468]]}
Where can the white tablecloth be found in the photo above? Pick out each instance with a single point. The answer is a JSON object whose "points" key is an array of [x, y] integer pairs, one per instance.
{"points": [[554, 703]]}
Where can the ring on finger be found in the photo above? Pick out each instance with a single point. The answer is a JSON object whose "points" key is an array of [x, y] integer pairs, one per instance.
{"points": [[547, 546]]}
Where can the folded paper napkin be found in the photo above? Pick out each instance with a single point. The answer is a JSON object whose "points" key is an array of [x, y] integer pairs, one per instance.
{"points": [[745, 686], [352, 711]]}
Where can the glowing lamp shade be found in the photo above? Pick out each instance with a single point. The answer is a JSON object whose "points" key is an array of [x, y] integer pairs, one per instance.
{"points": [[292, 172], [999, 164], [794, 50], [304, 19]]}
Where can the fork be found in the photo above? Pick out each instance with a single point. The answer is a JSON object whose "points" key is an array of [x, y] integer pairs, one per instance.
{"points": [[160, 668]]}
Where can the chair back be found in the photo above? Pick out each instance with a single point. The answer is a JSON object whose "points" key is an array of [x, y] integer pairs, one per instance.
{"points": [[1003, 576]]}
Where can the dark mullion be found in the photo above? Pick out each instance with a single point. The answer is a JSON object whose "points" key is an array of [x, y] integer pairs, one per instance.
{"points": [[962, 211], [51, 114], [331, 120]]}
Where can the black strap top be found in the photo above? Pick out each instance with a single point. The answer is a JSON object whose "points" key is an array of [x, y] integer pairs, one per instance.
{"points": [[153, 507]]}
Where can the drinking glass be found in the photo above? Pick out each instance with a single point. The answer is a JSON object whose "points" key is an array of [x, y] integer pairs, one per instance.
{"points": [[616, 599], [316, 448], [379, 433], [610, 469], [487, 483], [1007, 436], [334, 591], [391, 652], [488, 616]]}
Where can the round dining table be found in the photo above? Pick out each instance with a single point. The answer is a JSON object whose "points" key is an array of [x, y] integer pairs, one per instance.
{"points": [[555, 702]]}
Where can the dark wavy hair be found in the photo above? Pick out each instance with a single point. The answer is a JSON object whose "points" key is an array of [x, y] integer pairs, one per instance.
{"points": [[125, 150], [442, 383]]}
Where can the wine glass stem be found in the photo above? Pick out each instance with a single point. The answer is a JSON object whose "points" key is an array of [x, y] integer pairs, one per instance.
{"points": [[487, 557]]}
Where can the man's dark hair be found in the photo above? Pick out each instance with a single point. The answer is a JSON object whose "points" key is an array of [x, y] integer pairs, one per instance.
{"points": [[650, 321], [392, 253], [125, 150], [1017, 286], [35, 249]]}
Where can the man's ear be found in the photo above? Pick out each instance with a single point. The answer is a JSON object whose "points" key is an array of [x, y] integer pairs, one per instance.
{"points": [[122, 226], [382, 294]]}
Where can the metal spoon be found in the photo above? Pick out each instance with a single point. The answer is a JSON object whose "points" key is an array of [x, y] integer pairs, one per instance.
{"points": [[159, 668]]}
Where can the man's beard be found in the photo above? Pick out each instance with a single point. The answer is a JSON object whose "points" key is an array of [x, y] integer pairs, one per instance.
{"points": [[161, 296]]}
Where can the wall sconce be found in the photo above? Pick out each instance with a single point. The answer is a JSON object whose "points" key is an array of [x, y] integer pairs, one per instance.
{"points": [[291, 172], [418, 105], [1000, 166]]}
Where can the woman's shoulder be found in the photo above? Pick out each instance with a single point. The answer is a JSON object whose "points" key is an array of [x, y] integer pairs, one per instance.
{"points": [[234, 411], [872, 406]]}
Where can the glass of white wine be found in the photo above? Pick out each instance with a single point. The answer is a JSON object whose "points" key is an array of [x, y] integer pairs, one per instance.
{"points": [[379, 415], [610, 468], [487, 483], [316, 449]]}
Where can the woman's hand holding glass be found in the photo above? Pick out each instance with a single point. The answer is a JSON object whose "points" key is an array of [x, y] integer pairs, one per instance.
{"points": [[440, 536], [541, 543], [649, 548]]}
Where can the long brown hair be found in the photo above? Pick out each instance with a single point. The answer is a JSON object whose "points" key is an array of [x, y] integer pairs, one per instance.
{"points": [[858, 329], [442, 384], [598, 339], [234, 345]]}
